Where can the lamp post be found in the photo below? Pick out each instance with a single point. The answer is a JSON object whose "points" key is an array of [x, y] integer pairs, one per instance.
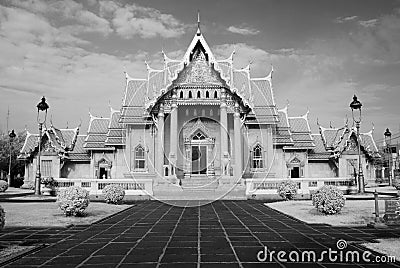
{"points": [[11, 136], [388, 137], [356, 105], [41, 119]]}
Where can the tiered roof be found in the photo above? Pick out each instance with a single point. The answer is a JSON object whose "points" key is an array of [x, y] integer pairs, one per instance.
{"points": [[198, 67], [66, 142], [332, 142], [293, 132], [116, 131], [283, 134]]}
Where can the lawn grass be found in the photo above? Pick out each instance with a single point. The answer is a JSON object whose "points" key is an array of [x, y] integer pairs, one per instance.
{"points": [[47, 214], [354, 213], [387, 246]]}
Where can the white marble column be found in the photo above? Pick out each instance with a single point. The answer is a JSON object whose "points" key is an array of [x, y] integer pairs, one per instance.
{"points": [[160, 149], [237, 144], [174, 136], [224, 135]]}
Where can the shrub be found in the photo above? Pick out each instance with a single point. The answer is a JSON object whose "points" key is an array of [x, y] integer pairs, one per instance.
{"points": [[287, 189], [3, 186], [73, 200], [48, 182], [113, 193], [2, 218], [328, 199]]}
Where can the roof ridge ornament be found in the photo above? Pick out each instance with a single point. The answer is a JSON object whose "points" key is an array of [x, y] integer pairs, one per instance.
{"points": [[198, 23], [269, 76]]}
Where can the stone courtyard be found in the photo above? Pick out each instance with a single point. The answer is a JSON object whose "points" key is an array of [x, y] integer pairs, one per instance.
{"points": [[191, 234]]}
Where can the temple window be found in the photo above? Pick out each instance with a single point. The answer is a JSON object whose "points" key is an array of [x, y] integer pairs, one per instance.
{"points": [[190, 94], [139, 157], [198, 94], [215, 95], [181, 94], [211, 112], [46, 167], [257, 154], [207, 94]]}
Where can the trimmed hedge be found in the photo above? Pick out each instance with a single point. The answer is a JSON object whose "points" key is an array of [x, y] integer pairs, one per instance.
{"points": [[287, 189], [3, 186], [73, 200], [328, 200], [113, 193]]}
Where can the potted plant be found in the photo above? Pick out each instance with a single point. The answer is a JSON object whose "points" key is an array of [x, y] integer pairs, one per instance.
{"points": [[48, 185]]}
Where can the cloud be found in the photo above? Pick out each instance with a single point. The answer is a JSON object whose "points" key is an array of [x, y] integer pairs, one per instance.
{"points": [[38, 59], [73, 14], [368, 23], [130, 19], [243, 30], [345, 19]]}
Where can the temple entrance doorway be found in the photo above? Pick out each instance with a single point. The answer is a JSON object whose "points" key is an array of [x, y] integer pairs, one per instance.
{"points": [[199, 159]]}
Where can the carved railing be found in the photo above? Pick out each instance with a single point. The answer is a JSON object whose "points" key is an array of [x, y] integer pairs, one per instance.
{"points": [[95, 186], [305, 185]]}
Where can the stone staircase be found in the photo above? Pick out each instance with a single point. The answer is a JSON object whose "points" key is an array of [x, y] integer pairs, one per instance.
{"points": [[202, 183], [200, 188]]}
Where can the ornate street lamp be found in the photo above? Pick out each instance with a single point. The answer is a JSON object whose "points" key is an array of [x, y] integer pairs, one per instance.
{"points": [[11, 136], [356, 105], [388, 138], [41, 119]]}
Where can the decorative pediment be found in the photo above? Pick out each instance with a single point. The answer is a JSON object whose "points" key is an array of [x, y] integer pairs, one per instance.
{"points": [[198, 126], [295, 161]]}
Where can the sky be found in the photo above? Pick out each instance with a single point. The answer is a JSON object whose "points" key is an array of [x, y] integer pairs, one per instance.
{"points": [[323, 52]]}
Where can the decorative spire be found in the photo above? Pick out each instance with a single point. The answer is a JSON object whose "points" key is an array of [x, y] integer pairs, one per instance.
{"points": [[269, 77], [198, 23], [147, 65], [330, 124]]}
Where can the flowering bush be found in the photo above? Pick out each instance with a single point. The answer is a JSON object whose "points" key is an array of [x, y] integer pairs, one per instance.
{"points": [[73, 200], [287, 189], [113, 193], [328, 199], [48, 182], [3, 186], [2, 218]]}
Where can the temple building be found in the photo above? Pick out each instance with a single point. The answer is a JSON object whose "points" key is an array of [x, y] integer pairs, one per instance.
{"points": [[199, 124]]}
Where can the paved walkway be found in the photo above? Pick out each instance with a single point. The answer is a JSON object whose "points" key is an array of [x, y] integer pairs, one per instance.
{"points": [[221, 234]]}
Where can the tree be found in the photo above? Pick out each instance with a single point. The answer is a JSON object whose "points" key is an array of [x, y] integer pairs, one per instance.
{"points": [[17, 166]]}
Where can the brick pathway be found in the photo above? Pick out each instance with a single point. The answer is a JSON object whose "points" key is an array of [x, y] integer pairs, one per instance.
{"points": [[221, 234]]}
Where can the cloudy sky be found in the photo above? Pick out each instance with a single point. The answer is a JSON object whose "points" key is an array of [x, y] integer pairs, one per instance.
{"points": [[323, 52]]}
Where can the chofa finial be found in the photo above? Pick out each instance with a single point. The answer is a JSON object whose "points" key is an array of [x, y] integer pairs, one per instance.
{"points": [[198, 22]]}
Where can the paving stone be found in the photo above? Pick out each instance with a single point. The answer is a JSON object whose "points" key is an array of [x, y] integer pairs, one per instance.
{"points": [[230, 233]]}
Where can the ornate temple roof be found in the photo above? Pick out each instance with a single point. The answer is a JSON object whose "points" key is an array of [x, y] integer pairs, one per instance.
{"points": [[97, 133], [293, 132], [116, 131], [66, 142], [283, 134], [198, 67], [332, 142]]}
